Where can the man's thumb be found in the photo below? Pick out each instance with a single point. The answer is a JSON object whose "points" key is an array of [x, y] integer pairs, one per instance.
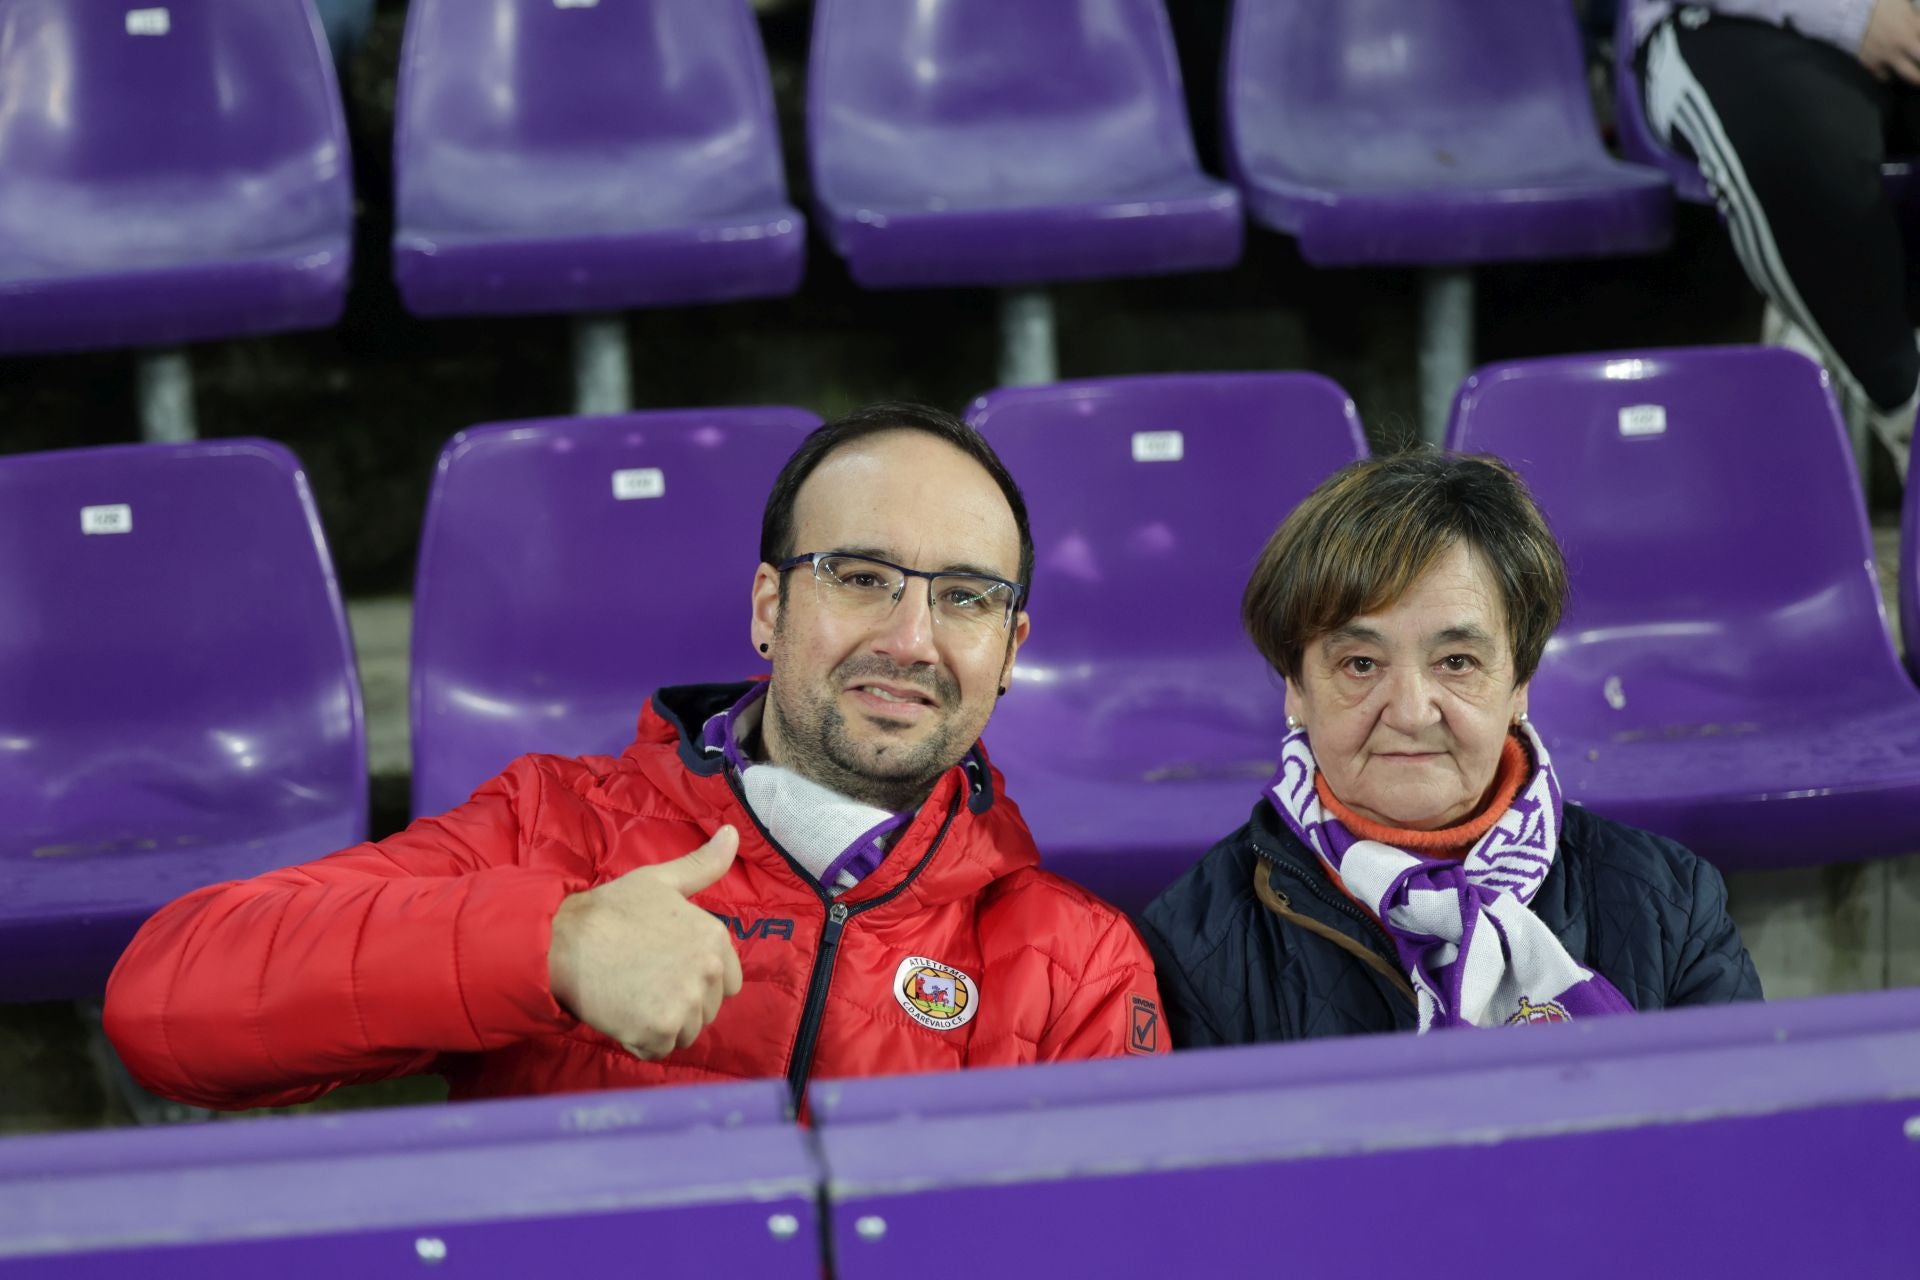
{"points": [[689, 874]]}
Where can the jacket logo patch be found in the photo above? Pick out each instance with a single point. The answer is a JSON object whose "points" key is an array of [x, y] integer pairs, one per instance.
{"points": [[1145, 1036], [935, 995], [747, 930], [1529, 1012]]}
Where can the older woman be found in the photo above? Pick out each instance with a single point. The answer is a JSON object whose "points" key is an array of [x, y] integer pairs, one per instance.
{"points": [[1412, 864]]}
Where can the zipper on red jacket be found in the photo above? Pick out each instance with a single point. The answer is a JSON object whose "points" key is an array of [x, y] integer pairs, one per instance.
{"points": [[807, 1039]]}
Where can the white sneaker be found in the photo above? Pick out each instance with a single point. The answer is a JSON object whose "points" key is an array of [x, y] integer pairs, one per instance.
{"points": [[1894, 429], [1777, 329]]}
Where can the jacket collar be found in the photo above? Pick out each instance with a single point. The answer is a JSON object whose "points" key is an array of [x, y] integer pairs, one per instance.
{"points": [[974, 837]]}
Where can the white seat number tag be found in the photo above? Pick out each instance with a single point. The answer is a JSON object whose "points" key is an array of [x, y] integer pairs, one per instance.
{"points": [[1643, 420], [639, 482], [148, 22], [113, 518], [1159, 446]]}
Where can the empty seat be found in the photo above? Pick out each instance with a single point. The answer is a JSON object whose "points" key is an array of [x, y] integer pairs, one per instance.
{"points": [[167, 174], [1143, 725], [1444, 132], [1723, 675], [587, 156], [1004, 142], [178, 704], [571, 566]]}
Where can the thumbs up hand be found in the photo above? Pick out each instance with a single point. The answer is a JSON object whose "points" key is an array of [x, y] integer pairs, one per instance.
{"points": [[635, 960]]}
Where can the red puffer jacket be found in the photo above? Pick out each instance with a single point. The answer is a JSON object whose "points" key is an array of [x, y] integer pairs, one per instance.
{"points": [[428, 950]]}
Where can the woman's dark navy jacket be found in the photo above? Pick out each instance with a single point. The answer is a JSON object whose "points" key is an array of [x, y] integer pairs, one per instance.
{"points": [[1291, 957]]}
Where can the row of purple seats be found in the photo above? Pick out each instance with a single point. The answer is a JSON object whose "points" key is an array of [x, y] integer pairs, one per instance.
{"points": [[183, 709], [1698, 1142], [178, 700], [1710, 514], [614, 155], [590, 157]]}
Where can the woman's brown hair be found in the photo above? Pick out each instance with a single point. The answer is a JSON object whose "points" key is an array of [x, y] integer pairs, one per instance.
{"points": [[1360, 540]]}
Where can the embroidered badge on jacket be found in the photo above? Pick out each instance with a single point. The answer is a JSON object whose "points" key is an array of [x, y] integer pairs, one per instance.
{"points": [[935, 995]]}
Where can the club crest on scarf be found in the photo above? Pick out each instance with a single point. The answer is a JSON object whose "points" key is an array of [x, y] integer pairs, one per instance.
{"points": [[1462, 930], [1529, 1013]]}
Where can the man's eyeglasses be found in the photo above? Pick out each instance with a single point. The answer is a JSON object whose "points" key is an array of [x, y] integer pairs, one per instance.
{"points": [[863, 586]]}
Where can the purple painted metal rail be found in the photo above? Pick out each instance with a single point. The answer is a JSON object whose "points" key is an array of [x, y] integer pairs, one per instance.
{"points": [[1782, 1141], [517, 1189], [396, 1129], [836, 1103]]}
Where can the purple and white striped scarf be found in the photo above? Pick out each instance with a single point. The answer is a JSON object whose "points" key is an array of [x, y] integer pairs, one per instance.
{"points": [[1463, 930]]}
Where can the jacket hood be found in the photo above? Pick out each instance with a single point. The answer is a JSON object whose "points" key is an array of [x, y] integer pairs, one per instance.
{"points": [[966, 835]]}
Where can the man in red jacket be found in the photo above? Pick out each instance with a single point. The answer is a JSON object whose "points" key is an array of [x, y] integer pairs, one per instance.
{"points": [[814, 875]]}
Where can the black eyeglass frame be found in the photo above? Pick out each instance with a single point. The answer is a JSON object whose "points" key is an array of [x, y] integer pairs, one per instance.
{"points": [[1016, 592]]}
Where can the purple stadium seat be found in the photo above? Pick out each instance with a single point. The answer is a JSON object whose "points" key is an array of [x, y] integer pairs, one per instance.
{"points": [[668, 1184], [1443, 132], [178, 704], [1142, 723], [587, 156], [571, 566], [1723, 675], [1638, 144], [1004, 142], [1643, 1147], [167, 174]]}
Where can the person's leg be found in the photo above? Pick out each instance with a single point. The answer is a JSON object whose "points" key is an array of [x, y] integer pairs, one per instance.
{"points": [[1790, 133]]}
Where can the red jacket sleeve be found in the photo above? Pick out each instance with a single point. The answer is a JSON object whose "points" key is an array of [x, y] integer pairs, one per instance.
{"points": [[360, 966], [1112, 1006]]}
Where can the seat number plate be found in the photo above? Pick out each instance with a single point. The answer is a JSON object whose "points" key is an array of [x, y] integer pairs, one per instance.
{"points": [[112, 518]]}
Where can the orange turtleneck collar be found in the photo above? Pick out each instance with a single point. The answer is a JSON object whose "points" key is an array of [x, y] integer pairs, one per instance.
{"points": [[1449, 842]]}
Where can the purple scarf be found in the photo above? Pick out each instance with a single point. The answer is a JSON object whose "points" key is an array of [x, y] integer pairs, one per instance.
{"points": [[1476, 954]]}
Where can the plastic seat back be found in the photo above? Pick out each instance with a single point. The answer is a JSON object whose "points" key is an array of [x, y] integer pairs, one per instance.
{"points": [[178, 701], [580, 118], [135, 140], [992, 102], [1151, 498], [1714, 532], [571, 566], [1382, 95]]}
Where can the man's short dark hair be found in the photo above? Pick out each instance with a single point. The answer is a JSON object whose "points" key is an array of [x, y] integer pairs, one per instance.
{"points": [[776, 525]]}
